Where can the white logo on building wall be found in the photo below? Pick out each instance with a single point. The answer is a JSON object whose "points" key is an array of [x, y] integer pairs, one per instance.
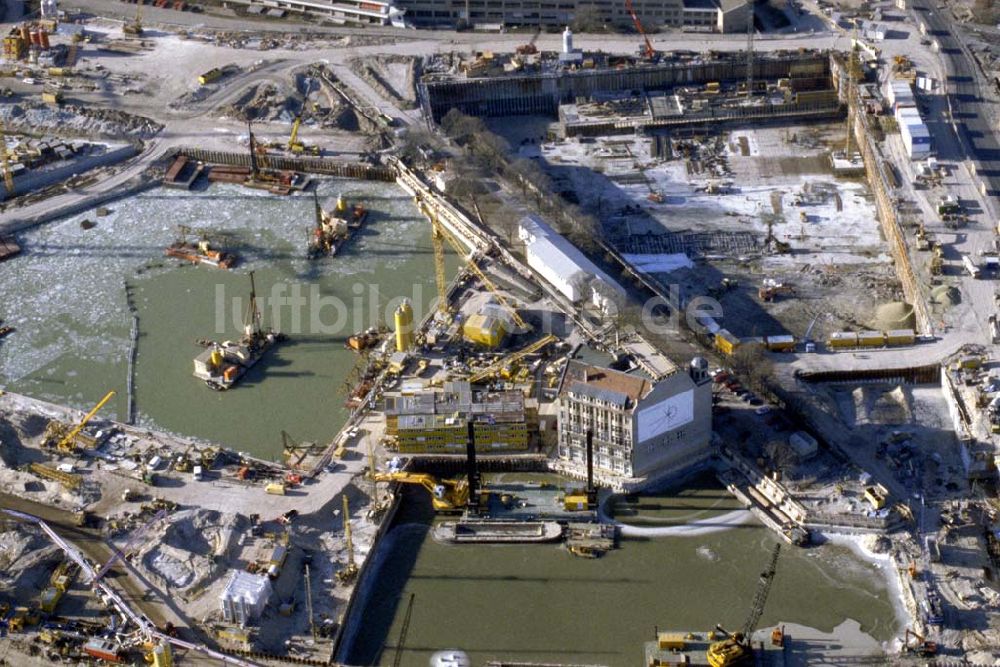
{"points": [[667, 415]]}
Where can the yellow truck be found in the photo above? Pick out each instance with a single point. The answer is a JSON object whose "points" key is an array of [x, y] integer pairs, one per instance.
{"points": [[211, 75]]}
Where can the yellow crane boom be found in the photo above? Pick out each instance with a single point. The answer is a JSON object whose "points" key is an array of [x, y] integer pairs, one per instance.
{"points": [[438, 232], [293, 141], [496, 366], [447, 495], [67, 442]]}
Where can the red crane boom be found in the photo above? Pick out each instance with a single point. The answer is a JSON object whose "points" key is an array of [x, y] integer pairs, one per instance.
{"points": [[647, 51]]}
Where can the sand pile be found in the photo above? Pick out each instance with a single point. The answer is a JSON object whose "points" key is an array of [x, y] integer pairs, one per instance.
{"points": [[895, 315]]}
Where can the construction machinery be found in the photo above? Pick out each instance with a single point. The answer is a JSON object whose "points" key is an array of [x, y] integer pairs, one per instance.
{"points": [[347, 573], [439, 233], [68, 479], [770, 289], [62, 437], [8, 177], [922, 646], [295, 144], [529, 49], [646, 51], [134, 27], [446, 495], [498, 366], [736, 648]]}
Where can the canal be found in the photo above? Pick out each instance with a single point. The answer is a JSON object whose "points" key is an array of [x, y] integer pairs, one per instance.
{"points": [[538, 603], [65, 294]]}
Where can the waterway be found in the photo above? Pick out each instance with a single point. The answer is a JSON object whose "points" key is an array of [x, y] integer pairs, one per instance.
{"points": [[65, 295], [538, 603]]}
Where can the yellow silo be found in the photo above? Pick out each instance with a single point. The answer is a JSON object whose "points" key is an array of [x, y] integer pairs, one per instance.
{"points": [[162, 655], [404, 327]]}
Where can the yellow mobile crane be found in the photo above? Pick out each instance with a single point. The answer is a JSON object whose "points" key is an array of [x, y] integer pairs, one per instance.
{"points": [[350, 570], [511, 359], [294, 144], [439, 233], [57, 435], [736, 649], [446, 495]]}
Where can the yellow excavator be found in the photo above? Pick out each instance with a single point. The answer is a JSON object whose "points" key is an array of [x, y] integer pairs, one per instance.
{"points": [[62, 437], [447, 495], [737, 649]]}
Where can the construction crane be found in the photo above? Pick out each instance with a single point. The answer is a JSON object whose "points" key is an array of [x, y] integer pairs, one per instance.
{"points": [[438, 232], [397, 657], [736, 649], [309, 602], [750, 35], [446, 495], [853, 75], [64, 441], [529, 48], [512, 358], [132, 541], [350, 570], [135, 27], [647, 51], [8, 177]]}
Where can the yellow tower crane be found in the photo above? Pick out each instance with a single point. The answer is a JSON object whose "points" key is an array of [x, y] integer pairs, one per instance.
{"points": [[8, 178], [439, 233], [63, 440], [511, 359]]}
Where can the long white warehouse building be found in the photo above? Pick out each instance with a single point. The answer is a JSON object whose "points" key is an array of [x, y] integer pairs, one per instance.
{"points": [[562, 264]]}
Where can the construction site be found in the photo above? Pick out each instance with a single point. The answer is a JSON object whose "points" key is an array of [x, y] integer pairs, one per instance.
{"points": [[311, 332]]}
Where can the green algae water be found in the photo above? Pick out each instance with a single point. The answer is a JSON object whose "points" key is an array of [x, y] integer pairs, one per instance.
{"points": [[66, 295], [540, 604]]}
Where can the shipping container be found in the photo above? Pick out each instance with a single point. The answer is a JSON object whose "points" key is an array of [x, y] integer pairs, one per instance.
{"points": [[726, 342], [901, 337], [211, 75], [102, 650], [842, 339], [871, 338], [275, 489], [779, 343]]}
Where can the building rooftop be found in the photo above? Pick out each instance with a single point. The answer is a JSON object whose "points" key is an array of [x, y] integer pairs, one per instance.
{"points": [[618, 388], [245, 586]]}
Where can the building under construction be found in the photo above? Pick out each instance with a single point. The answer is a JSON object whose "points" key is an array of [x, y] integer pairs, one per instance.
{"points": [[434, 421], [549, 82]]}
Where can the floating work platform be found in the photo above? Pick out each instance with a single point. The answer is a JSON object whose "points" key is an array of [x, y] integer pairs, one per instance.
{"points": [[279, 183], [533, 502], [472, 531], [182, 173], [590, 540], [691, 648]]}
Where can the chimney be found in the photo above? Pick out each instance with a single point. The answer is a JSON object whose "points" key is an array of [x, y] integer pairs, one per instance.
{"points": [[470, 470], [591, 491]]}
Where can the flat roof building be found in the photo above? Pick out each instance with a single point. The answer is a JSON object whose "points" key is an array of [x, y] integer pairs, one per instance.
{"points": [[434, 421]]}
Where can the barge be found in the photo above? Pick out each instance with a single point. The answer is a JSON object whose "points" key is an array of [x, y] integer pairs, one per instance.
{"points": [[221, 365], [470, 531]]}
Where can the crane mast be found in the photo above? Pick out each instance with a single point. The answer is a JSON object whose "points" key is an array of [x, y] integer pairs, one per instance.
{"points": [[647, 50]]}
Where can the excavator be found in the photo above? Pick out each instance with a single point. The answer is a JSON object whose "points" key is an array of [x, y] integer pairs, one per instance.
{"points": [[736, 649], [923, 647], [62, 437], [447, 495]]}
